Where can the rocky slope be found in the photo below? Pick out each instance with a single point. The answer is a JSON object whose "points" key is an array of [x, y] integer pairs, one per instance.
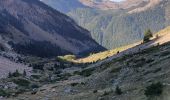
{"points": [[132, 71], [32, 27]]}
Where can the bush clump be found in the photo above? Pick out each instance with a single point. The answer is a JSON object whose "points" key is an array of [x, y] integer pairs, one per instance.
{"points": [[3, 93], [118, 90], [154, 89], [21, 82], [15, 74], [147, 35], [87, 72]]}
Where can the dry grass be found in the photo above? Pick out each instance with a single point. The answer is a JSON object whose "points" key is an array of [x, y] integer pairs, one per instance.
{"points": [[103, 55], [97, 56], [164, 31]]}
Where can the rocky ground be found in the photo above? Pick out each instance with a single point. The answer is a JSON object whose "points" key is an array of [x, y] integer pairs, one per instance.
{"points": [[132, 73]]}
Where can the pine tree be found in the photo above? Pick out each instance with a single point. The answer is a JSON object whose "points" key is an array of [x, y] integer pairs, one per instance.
{"points": [[9, 75], [16, 73], [24, 73], [147, 35]]}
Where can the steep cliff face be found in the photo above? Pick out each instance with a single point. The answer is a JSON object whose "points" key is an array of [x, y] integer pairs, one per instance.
{"points": [[32, 27]]}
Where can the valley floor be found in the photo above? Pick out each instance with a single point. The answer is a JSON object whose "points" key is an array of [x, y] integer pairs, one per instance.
{"points": [[131, 70], [132, 73]]}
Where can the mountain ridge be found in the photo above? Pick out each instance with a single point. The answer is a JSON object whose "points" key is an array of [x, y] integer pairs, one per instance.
{"points": [[32, 24], [119, 27]]}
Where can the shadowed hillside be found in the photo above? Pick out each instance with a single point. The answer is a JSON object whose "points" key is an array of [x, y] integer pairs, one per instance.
{"points": [[32, 27]]}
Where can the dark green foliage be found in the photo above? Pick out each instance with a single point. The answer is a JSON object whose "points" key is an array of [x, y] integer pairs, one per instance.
{"points": [[64, 76], [21, 82], [115, 70], [38, 66], [3, 93], [16, 74], [74, 84], [9, 75], [87, 72], [165, 53], [34, 86], [118, 90], [2, 47], [157, 70], [147, 35], [154, 89], [40, 49], [20, 91], [95, 91], [36, 76], [24, 73]]}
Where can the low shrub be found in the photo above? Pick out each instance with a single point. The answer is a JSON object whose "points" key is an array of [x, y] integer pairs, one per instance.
{"points": [[3, 93], [95, 91], [154, 89], [21, 82], [118, 90], [74, 84], [87, 72]]}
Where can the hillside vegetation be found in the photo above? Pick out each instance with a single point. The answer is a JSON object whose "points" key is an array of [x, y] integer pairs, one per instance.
{"points": [[139, 75], [33, 28], [64, 5], [163, 37], [114, 28]]}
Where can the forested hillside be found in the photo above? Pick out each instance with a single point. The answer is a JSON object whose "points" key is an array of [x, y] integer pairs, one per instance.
{"points": [[64, 5], [31, 27], [115, 28]]}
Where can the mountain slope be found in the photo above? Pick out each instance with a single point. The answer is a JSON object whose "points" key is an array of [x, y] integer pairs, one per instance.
{"points": [[64, 6], [32, 27], [132, 73], [118, 27], [160, 38]]}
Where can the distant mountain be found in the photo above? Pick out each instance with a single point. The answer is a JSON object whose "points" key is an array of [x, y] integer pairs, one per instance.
{"points": [[115, 27], [111, 4], [32, 27], [100, 4], [64, 5]]}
